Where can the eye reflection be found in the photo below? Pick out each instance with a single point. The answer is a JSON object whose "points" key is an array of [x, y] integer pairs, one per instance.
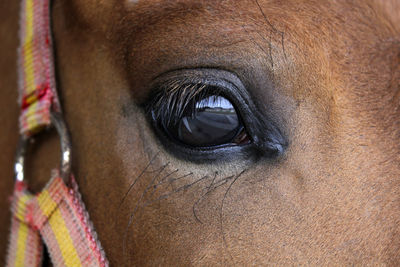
{"points": [[213, 121]]}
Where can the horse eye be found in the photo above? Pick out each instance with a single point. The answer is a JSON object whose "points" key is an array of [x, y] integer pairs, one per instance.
{"points": [[209, 122], [207, 115]]}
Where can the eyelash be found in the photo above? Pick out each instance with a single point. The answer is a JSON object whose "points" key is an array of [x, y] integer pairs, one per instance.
{"points": [[171, 100]]}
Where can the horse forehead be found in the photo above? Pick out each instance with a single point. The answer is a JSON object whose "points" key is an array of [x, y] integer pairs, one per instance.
{"points": [[97, 12], [313, 16]]}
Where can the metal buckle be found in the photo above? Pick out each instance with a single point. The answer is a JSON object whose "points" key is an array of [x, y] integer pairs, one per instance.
{"points": [[65, 166]]}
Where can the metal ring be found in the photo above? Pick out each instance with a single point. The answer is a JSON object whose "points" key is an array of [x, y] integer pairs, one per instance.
{"points": [[65, 165]]}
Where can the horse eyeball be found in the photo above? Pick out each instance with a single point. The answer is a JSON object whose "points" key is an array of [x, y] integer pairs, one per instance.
{"points": [[211, 121]]}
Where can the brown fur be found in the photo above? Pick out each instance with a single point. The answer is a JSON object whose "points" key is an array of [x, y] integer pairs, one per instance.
{"points": [[332, 199]]}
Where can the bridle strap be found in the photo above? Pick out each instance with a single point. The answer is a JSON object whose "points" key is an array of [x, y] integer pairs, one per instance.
{"points": [[55, 217], [25, 245], [36, 83]]}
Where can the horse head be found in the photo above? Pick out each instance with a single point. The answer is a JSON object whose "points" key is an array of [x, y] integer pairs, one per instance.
{"points": [[232, 132]]}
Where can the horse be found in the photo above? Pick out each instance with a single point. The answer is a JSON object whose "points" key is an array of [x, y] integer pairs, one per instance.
{"points": [[305, 168]]}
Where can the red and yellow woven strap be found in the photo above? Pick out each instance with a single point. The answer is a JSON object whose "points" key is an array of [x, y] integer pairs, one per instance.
{"points": [[35, 67], [58, 216], [25, 245]]}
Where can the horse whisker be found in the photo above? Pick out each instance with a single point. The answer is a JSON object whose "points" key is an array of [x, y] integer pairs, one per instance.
{"points": [[137, 178], [202, 197], [185, 187], [221, 211], [211, 188], [161, 182], [170, 181], [136, 208]]}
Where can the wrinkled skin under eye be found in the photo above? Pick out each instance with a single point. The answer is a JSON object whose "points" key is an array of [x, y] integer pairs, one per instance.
{"points": [[211, 121]]}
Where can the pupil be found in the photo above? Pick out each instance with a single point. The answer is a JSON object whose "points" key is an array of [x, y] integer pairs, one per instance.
{"points": [[213, 122]]}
